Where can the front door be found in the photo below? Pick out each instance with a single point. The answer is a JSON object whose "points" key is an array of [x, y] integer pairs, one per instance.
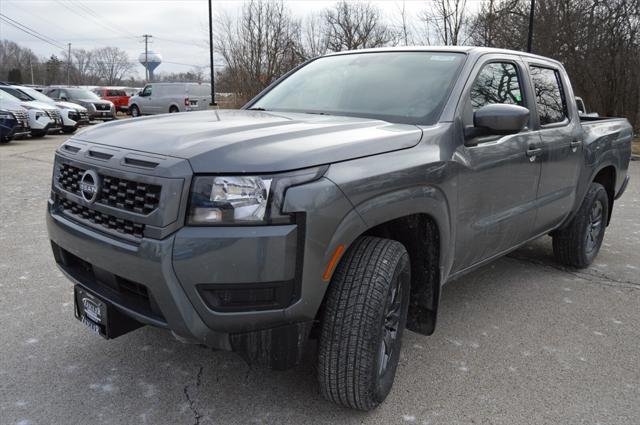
{"points": [[498, 177], [146, 101]]}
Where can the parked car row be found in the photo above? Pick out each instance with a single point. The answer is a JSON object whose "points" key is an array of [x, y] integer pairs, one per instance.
{"points": [[38, 111]]}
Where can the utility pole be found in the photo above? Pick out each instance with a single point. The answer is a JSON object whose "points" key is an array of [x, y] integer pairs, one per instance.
{"points": [[31, 69], [530, 39], [146, 55], [69, 64], [213, 76]]}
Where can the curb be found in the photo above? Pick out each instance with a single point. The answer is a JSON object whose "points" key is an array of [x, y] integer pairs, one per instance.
{"points": [[635, 157]]}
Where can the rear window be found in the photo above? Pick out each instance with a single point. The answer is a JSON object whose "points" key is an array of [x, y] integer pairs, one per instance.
{"points": [[116, 93], [550, 98]]}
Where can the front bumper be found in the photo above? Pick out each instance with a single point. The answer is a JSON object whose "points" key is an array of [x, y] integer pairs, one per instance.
{"points": [[102, 115], [164, 283]]}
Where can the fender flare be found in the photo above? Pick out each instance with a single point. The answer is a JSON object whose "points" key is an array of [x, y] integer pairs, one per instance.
{"points": [[427, 200]]}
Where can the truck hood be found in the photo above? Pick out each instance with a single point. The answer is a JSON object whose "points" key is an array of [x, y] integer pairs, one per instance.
{"points": [[38, 105], [242, 141]]}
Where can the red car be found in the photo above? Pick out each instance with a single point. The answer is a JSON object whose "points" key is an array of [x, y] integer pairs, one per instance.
{"points": [[118, 96]]}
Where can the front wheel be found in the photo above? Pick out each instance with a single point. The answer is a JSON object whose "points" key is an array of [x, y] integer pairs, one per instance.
{"points": [[578, 244], [69, 130], [135, 112], [365, 314], [36, 134]]}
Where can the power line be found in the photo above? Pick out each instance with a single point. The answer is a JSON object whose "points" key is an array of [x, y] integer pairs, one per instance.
{"points": [[93, 13], [83, 14], [30, 31]]}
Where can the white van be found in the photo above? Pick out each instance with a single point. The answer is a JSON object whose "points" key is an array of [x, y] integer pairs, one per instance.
{"points": [[162, 98]]}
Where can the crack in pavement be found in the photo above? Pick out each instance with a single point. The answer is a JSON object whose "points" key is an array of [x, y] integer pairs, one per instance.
{"points": [[192, 402], [593, 276]]}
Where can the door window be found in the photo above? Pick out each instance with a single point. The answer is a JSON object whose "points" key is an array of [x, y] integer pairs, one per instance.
{"points": [[146, 91], [498, 82], [550, 98]]}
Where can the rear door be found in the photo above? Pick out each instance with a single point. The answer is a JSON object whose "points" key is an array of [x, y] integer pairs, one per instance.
{"points": [[498, 178], [560, 134]]}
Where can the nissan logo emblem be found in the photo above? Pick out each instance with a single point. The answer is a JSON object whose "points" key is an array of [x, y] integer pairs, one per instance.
{"points": [[89, 186]]}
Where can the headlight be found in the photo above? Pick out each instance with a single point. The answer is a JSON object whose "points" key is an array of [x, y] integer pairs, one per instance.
{"points": [[4, 115], [216, 200]]}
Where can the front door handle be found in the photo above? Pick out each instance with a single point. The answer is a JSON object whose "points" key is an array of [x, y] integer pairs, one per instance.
{"points": [[575, 144], [532, 152]]}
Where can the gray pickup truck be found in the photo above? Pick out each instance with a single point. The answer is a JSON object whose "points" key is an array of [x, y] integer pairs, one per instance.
{"points": [[333, 206]]}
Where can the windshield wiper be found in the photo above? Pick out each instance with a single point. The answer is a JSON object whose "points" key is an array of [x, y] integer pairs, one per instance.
{"points": [[256, 109]]}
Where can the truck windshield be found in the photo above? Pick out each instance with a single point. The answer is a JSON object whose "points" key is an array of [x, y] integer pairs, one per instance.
{"points": [[36, 95], [16, 93], [399, 87]]}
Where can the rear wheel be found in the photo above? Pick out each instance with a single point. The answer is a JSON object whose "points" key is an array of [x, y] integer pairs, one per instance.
{"points": [[578, 244], [38, 133], [173, 109], [365, 314], [68, 130], [135, 112]]}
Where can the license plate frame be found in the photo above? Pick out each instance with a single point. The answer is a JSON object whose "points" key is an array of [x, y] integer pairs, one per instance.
{"points": [[91, 311], [100, 316]]}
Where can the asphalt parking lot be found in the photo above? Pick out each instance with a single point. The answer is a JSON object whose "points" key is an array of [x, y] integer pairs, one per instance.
{"points": [[520, 341]]}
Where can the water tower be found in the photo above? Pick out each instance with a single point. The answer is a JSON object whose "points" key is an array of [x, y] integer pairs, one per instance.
{"points": [[150, 60]]}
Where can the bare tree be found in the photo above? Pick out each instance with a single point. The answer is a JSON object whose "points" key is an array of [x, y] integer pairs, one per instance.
{"points": [[111, 64], [356, 25], [261, 45], [15, 57], [405, 28], [82, 61], [315, 39], [448, 18], [499, 21]]}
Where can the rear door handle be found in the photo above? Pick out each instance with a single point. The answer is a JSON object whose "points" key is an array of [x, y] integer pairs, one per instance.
{"points": [[575, 144]]}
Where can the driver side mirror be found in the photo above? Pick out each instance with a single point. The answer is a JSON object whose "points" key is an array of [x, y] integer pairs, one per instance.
{"points": [[497, 119]]}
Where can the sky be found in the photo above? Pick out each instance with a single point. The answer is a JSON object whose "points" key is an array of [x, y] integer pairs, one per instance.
{"points": [[179, 27]]}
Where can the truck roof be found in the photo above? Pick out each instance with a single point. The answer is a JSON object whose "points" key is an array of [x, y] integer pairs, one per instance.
{"points": [[470, 50]]}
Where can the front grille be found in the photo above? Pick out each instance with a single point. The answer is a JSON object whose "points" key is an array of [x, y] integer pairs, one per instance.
{"points": [[102, 106], [105, 220], [119, 193], [22, 117], [130, 196], [84, 116], [54, 114]]}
